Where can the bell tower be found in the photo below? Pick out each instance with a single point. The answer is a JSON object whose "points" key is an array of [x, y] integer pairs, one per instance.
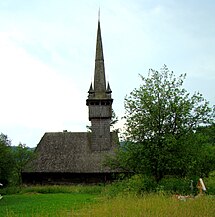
{"points": [[99, 102]]}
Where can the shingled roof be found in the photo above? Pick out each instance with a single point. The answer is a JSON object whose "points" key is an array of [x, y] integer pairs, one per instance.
{"points": [[69, 152]]}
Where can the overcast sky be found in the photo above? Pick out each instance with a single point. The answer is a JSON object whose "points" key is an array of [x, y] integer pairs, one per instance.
{"points": [[47, 51]]}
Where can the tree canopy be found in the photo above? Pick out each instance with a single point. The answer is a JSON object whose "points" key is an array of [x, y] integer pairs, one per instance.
{"points": [[12, 160], [6, 159], [161, 123]]}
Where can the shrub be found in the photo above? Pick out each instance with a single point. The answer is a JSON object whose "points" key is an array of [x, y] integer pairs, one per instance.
{"points": [[210, 183], [53, 189], [136, 184], [140, 184], [10, 190], [176, 185]]}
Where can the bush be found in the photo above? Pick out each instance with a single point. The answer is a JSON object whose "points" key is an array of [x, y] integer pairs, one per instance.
{"points": [[53, 189], [210, 183], [176, 186], [137, 184], [140, 184], [10, 190]]}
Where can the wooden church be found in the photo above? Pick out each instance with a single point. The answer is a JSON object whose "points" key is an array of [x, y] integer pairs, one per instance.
{"points": [[70, 157]]}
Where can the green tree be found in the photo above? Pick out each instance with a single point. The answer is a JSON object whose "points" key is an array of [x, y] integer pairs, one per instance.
{"points": [[161, 119], [6, 160], [207, 133], [22, 154]]}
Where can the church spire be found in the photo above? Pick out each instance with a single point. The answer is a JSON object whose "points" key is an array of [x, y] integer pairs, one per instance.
{"points": [[99, 102], [99, 73]]}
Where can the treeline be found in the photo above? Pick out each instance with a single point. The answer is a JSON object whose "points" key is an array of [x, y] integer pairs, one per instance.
{"points": [[12, 161]]}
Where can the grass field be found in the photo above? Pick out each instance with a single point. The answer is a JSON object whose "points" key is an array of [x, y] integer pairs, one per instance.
{"points": [[87, 201], [152, 205], [43, 204]]}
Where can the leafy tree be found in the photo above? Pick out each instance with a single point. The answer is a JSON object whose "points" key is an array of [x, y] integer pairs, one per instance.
{"points": [[6, 160], [22, 154], [208, 132], [208, 153], [161, 119]]}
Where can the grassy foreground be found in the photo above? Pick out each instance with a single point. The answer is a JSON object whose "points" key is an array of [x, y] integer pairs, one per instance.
{"points": [[87, 201], [152, 205], [62, 204]]}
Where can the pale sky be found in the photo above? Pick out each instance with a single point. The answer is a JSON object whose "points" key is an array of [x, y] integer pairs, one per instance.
{"points": [[47, 51]]}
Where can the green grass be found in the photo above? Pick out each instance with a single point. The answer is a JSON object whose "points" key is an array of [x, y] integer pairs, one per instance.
{"points": [[43, 204], [95, 201], [152, 205]]}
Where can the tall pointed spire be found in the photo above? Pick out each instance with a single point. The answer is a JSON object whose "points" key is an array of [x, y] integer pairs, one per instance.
{"points": [[99, 73], [99, 102]]}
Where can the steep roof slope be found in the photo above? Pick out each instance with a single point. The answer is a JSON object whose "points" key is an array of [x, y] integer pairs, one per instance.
{"points": [[69, 152]]}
